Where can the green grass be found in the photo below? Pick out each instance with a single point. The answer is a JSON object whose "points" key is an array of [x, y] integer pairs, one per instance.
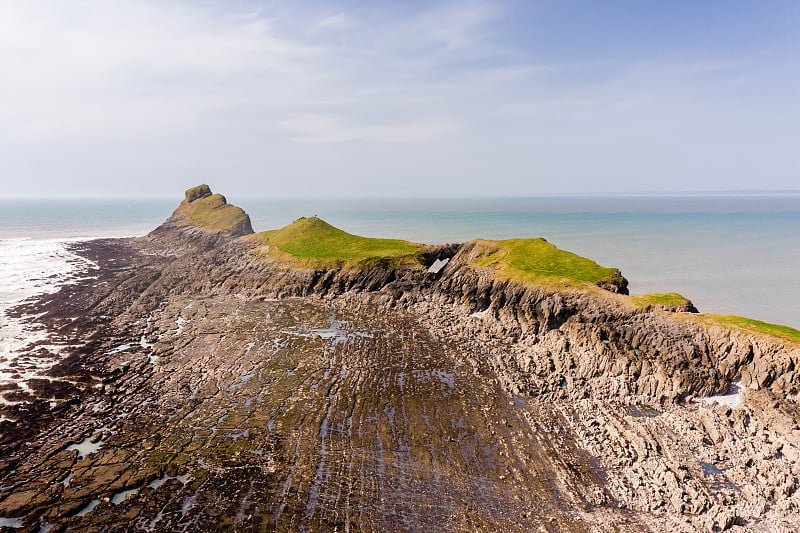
{"points": [[751, 326], [214, 214], [669, 299], [313, 243], [539, 262]]}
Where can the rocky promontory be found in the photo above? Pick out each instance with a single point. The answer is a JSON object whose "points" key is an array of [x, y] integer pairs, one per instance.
{"points": [[309, 379]]}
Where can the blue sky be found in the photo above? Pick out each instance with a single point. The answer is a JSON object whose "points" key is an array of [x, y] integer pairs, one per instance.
{"points": [[147, 97]]}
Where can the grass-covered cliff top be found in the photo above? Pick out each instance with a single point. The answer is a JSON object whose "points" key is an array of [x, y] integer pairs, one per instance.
{"points": [[539, 262], [749, 326], [313, 243], [212, 213], [670, 300]]}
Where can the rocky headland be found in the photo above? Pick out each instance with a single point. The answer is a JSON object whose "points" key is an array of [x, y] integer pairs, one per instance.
{"points": [[308, 379]]}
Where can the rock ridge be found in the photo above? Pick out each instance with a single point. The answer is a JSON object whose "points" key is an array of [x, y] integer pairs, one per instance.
{"points": [[648, 352], [208, 386]]}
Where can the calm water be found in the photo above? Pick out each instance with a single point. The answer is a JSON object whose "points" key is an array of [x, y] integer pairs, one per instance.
{"points": [[736, 254]]}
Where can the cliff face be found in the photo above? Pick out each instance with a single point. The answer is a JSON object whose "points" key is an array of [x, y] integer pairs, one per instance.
{"points": [[594, 339], [228, 388], [587, 342]]}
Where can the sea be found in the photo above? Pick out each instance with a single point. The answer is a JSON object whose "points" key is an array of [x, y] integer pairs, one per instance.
{"points": [[732, 254]]}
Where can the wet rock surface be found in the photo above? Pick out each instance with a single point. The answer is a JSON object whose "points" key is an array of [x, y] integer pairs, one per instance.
{"points": [[204, 387]]}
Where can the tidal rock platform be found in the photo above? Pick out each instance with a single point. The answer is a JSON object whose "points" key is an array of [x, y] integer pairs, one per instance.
{"points": [[306, 379]]}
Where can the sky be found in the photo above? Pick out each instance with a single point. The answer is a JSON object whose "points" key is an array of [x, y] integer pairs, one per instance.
{"points": [[377, 98]]}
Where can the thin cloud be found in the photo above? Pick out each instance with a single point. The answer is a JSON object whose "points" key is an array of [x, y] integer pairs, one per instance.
{"points": [[333, 129], [457, 90]]}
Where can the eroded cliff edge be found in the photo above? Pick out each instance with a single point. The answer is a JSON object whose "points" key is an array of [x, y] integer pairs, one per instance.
{"points": [[269, 391]]}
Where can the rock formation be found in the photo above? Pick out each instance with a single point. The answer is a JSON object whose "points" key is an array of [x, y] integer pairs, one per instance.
{"points": [[210, 384]]}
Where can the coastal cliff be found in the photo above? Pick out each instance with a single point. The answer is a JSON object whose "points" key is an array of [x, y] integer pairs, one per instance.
{"points": [[309, 379]]}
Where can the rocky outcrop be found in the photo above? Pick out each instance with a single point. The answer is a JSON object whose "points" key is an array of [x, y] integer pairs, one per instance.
{"points": [[209, 386], [589, 343], [590, 337], [196, 193], [581, 343], [206, 214]]}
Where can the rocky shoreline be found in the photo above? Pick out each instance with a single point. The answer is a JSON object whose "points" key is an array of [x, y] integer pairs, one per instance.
{"points": [[204, 386]]}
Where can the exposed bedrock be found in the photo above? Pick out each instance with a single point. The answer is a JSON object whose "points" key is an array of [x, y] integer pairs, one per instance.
{"points": [[212, 387], [588, 343], [602, 346]]}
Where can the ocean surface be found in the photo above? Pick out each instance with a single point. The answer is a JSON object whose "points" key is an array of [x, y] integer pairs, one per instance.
{"points": [[729, 254]]}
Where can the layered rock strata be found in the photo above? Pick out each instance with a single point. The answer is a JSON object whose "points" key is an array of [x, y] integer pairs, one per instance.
{"points": [[212, 387]]}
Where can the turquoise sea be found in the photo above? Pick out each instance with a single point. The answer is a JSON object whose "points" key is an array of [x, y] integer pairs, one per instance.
{"points": [[735, 254]]}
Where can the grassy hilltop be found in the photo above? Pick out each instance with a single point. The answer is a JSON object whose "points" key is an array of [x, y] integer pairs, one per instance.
{"points": [[313, 243], [212, 212], [538, 262]]}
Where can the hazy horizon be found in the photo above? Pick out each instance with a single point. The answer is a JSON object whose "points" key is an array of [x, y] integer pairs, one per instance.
{"points": [[178, 195], [357, 99]]}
